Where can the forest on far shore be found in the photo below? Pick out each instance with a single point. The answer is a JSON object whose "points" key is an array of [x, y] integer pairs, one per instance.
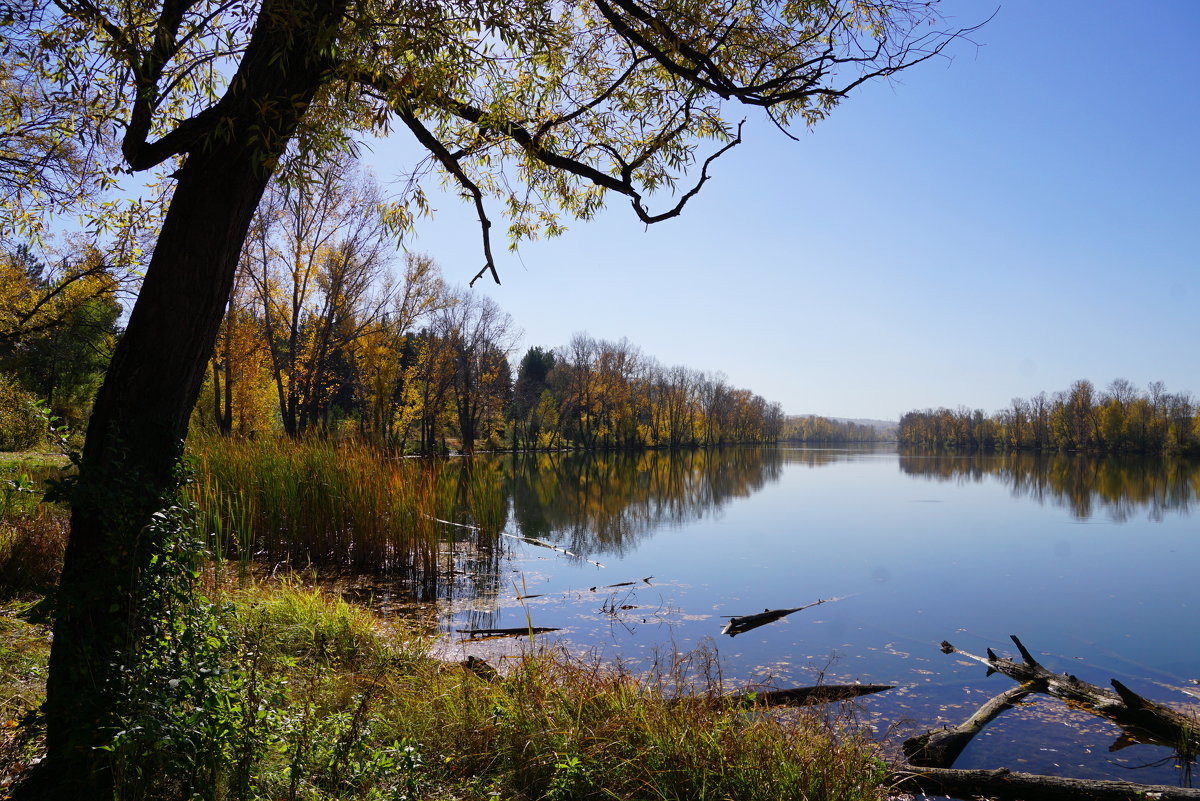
{"points": [[1119, 419]]}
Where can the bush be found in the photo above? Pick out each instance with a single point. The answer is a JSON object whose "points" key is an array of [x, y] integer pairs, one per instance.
{"points": [[31, 552], [22, 426]]}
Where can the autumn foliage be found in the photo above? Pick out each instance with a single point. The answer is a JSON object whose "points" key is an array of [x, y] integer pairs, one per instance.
{"points": [[1118, 420]]}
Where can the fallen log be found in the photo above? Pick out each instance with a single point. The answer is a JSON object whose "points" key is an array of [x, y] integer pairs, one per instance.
{"points": [[513, 632], [1141, 719], [743, 623], [808, 696], [1003, 783], [940, 748], [796, 696]]}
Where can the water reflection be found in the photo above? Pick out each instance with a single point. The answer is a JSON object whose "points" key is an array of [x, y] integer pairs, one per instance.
{"points": [[726, 533], [1120, 487], [594, 505], [604, 503]]}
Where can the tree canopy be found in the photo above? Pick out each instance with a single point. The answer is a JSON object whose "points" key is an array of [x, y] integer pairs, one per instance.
{"points": [[540, 109]]}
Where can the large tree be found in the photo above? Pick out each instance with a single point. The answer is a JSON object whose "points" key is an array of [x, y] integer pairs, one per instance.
{"points": [[547, 106]]}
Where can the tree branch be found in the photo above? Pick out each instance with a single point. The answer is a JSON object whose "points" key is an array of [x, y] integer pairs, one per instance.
{"points": [[1142, 720], [634, 23], [447, 160]]}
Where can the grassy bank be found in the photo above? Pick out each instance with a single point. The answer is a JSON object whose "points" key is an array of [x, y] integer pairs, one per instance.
{"points": [[317, 699]]}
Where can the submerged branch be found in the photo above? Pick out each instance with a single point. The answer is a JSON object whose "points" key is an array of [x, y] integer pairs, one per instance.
{"points": [[1003, 783]]}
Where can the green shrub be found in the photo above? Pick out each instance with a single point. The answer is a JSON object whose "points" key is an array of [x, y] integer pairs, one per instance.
{"points": [[22, 426]]}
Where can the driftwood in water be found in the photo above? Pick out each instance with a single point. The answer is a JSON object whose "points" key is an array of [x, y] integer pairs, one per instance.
{"points": [[513, 632], [551, 546], [743, 623], [809, 696], [1007, 784], [940, 748], [1142, 720], [646, 580], [930, 755], [796, 696]]}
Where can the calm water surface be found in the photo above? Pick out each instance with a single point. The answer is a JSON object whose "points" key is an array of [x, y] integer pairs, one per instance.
{"points": [[1091, 562]]}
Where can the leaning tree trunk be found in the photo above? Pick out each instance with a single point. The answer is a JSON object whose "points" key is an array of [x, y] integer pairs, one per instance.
{"points": [[134, 441], [141, 413]]}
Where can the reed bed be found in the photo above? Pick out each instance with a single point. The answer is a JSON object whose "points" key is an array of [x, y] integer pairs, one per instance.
{"points": [[315, 502]]}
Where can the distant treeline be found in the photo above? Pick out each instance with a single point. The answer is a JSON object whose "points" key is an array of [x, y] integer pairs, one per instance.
{"points": [[813, 429], [1121, 419], [595, 394]]}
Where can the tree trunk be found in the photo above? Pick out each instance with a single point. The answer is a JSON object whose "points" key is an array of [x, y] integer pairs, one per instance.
{"points": [[141, 413], [134, 441]]}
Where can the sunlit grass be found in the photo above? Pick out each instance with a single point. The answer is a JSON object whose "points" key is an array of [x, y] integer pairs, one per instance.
{"points": [[24, 653], [336, 705]]}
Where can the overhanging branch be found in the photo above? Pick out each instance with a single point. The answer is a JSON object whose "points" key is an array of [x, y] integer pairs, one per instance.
{"points": [[399, 93], [452, 165]]}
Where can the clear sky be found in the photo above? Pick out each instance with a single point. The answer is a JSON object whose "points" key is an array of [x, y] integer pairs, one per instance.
{"points": [[987, 227]]}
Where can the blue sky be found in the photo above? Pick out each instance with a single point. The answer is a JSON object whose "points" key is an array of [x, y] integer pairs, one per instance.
{"points": [[982, 228]]}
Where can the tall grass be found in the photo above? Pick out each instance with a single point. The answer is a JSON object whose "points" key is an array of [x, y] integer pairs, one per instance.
{"points": [[559, 727], [348, 710], [315, 502]]}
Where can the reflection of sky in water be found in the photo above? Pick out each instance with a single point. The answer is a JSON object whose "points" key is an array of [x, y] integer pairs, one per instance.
{"points": [[920, 556]]}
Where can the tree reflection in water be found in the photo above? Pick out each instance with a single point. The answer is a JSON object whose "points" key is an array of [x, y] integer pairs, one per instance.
{"points": [[1119, 486]]}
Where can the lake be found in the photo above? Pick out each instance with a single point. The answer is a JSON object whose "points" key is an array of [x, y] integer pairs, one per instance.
{"points": [[1090, 561]]}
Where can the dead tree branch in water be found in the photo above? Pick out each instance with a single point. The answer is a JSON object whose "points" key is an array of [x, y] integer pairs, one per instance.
{"points": [[932, 754], [1003, 783], [1142, 720]]}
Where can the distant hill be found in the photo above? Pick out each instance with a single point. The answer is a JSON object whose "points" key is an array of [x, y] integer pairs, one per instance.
{"points": [[879, 425]]}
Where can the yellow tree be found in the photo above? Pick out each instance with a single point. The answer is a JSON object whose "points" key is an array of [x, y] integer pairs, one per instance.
{"points": [[58, 326], [240, 383], [317, 263], [380, 351]]}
